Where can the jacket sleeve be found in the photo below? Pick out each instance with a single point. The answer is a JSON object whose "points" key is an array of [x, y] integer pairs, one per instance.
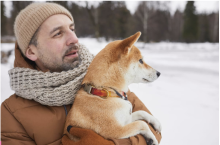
{"points": [[138, 139], [12, 132]]}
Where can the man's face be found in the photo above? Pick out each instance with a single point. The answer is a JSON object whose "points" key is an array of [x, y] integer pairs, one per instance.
{"points": [[57, 48]]}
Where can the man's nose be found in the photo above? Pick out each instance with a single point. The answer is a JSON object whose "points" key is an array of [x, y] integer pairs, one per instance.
{"points": [[72, 38]]}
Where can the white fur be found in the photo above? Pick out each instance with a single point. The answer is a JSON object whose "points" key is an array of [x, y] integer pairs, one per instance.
{"points": [[142, 115], [137, 74], [123, 115]]}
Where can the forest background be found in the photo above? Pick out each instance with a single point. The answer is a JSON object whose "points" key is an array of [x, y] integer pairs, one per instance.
{"points": [[113, 20]]}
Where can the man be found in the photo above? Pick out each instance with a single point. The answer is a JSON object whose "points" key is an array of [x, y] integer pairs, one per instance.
{"points": [[48, 69]]}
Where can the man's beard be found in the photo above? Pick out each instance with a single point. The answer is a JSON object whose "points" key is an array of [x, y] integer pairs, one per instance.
{"points": [[56, 66]]}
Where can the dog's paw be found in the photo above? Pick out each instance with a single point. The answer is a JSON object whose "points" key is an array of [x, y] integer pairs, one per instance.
{"points": [[156, 124], [150, 141], [149, 137]]}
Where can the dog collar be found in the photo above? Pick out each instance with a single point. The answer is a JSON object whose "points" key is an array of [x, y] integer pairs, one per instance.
{"points": [[103, 92]]}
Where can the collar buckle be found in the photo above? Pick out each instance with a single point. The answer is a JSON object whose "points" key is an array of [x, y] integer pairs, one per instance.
{"points": [[88, 88]]}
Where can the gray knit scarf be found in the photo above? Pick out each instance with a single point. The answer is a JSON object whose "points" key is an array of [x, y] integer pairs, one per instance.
{"points": [[52, 89]]}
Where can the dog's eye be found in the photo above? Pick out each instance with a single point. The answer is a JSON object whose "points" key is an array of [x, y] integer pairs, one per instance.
{"points": [[141, 61]]}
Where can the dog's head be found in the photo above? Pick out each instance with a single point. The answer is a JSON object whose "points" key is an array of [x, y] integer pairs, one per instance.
{"points": [[119, 64]]}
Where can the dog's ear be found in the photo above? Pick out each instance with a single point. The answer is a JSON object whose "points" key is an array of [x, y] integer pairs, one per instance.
{"points": [[127, 43]]}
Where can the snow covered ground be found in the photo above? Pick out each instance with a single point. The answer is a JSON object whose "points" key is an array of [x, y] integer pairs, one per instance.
{"points": [[185, 98]]}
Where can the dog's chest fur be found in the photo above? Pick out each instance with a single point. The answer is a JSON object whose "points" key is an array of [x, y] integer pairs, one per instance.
{"points": [[93, 112], [123, 115]]}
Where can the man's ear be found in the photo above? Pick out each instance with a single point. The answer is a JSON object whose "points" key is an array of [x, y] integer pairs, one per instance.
{"points": [[31, 53]]}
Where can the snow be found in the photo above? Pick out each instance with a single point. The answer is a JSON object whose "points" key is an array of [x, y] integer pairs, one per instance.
{"points": [[5, 87], [185, 98]]}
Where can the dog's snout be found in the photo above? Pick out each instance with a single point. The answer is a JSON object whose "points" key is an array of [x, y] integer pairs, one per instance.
{"points": [[158, 73]]}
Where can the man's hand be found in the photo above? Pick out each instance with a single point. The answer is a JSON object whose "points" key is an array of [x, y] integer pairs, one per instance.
{"points": [[86, 137]]}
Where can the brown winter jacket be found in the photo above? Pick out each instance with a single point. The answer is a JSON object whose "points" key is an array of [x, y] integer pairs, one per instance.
{"points": [[26, 122]]}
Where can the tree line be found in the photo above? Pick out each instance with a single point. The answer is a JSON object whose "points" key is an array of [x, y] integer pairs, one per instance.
{"points": [[112, 20]]}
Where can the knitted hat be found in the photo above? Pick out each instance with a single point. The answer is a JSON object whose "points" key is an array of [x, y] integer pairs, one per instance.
{"points": [[31, 18]]}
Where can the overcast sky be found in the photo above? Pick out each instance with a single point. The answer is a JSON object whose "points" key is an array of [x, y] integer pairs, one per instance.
{"points": [[201, 6]]}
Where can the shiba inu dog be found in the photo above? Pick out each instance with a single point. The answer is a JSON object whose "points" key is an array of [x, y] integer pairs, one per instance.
{"points": [[101, 103]]}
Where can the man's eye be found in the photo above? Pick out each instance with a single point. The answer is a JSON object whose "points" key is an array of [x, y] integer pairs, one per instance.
{"points": [[57, 34], [141, 61], [73, 30]]}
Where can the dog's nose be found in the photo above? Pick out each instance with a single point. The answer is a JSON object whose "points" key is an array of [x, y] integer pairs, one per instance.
{"points": [[158, 73]]}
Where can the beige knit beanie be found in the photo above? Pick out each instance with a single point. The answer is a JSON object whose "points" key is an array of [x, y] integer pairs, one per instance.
{"points": [[30, 19]]}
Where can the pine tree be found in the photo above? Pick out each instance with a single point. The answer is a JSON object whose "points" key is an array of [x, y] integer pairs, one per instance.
{"points": [[62, 3], [106, 19], [176, 26], [83, 24], [3, 19], [190, 26], [94, 17], [122, 16]]}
